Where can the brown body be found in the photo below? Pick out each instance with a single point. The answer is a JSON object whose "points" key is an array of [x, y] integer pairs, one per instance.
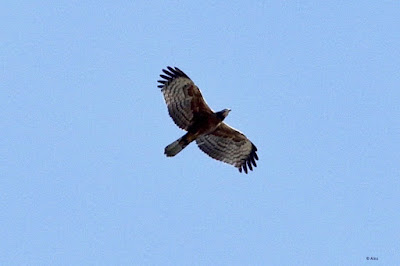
{"points": [[204, 124]]}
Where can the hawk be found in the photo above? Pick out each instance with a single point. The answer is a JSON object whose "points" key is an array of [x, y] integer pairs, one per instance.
{"points": [[190, 112]]}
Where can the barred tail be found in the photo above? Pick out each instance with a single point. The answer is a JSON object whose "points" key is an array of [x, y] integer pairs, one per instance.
{"points": [[175, 147]]}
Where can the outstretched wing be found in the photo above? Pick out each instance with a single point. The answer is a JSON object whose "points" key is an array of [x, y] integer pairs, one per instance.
{"points": [[182, 96], [230, 146]]}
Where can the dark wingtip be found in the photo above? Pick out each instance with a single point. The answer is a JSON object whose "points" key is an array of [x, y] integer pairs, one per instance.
{"points": [[250, 161], [171, 74], [167, 72], [253, 154], [249, 165]]}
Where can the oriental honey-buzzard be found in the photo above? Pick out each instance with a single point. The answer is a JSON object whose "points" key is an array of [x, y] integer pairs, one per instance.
{"points": [[190, 112]]}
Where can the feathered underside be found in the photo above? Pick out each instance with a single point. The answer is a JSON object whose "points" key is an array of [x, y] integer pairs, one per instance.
{"points": [[183, 98], [230, 146]]}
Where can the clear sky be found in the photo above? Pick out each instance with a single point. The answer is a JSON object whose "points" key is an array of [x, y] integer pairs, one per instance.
{"points": [[83, 178]]}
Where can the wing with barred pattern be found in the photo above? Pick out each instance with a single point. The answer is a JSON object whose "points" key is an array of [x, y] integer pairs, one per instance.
{"points": [[228, 145], [182, 96]]}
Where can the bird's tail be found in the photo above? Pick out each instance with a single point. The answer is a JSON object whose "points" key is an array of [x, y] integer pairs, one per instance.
{"points": [[175, 147]]}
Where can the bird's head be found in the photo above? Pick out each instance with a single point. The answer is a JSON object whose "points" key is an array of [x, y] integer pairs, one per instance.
{"points": [[222, 114]]}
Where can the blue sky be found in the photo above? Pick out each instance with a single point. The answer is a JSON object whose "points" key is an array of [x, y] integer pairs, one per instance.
{"points": [[314, 84]]}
